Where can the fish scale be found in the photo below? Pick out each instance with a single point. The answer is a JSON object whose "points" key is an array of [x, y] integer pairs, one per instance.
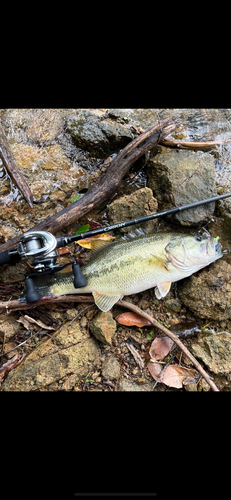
{"points": [[131, 266]]}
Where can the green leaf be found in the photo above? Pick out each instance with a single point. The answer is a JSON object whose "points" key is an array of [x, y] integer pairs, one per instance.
{"points": [[76, 197], [82, 229], [150, 335]]}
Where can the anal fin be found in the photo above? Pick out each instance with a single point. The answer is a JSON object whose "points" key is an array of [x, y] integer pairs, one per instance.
{"points": [[162, 289], [105, 302]]}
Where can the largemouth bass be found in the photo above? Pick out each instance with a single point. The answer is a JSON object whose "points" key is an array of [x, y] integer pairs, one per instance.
{"points": [[131, 266]]}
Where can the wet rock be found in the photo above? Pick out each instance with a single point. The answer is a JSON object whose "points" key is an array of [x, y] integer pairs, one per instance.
{"points": [[48, 168], [9, 325], [137, 204], [207, 124], [96, 130], [70, 354], [208, 292], [103, 327], [182, 177], [214, 350], [111, 368]]}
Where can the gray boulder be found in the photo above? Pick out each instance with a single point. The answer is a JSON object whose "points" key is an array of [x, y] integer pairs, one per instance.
{"points": [[180, 177], [99, 131]]}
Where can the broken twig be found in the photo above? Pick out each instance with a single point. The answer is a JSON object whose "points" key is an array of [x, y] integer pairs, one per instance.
{"points": [[9, 162], [191, 145]]}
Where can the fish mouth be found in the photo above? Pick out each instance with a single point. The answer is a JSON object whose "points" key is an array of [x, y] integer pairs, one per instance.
{"points": [[214, 248], [218, 246]]}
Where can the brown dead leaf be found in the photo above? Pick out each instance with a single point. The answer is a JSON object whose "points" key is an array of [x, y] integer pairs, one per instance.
{"points": [[177, 376], [136, 355], [24, 322], [160, 347], [130, 319], [63, 250], [154, 368], [27, 321], [87, 242]]}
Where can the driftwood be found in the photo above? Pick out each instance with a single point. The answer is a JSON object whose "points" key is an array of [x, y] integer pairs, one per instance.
{"points": [[191, 145], [10, 164], [106, 185]]}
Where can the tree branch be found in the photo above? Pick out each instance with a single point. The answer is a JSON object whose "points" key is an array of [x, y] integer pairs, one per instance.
{"points": [[106, 185]]}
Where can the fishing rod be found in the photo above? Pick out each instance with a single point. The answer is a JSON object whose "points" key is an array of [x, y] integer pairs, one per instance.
{"points": [[40, 247]]}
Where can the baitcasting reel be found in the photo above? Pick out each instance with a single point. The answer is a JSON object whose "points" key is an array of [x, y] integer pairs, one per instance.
{"points": [[40, 249]]}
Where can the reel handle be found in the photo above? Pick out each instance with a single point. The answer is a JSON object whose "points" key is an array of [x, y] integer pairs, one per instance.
{"points": [[31, 294]]}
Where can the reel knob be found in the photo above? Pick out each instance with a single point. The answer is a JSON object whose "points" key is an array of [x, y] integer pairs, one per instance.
{"points": [[79, 279], [31, 294]]}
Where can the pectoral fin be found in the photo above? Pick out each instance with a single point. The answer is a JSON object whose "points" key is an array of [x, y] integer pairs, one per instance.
{"points": [[162, 289], [105, 302]]}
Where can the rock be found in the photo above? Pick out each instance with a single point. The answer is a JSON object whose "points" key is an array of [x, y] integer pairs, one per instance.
{"points": [[208, 292], [129, 386], [111, 368], [173, 304], [214, 350], [137, 204], [96, 130], [48, 167], [103, 327], [71, 355], [182, 177], [9, 324], [8, 346]]}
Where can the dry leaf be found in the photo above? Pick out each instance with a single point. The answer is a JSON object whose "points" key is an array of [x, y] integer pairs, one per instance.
{"points": [[63, 250], [160, 347], [176, 376], [136, 355], [87, 242], [130, 319], [24, 322], [27, 321], [154, 368]]}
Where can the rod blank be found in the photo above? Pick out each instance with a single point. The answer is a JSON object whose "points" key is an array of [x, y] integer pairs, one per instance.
{"points": [[70, 239]]}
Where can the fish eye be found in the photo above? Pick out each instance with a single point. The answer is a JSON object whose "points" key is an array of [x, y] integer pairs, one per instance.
{"points": [[198, 238]]}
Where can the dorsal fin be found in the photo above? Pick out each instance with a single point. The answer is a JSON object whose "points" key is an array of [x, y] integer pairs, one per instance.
{"points": [[96, 243]]}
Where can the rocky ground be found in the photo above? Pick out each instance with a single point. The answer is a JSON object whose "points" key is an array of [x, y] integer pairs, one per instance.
{"points": [[69, 347]]}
